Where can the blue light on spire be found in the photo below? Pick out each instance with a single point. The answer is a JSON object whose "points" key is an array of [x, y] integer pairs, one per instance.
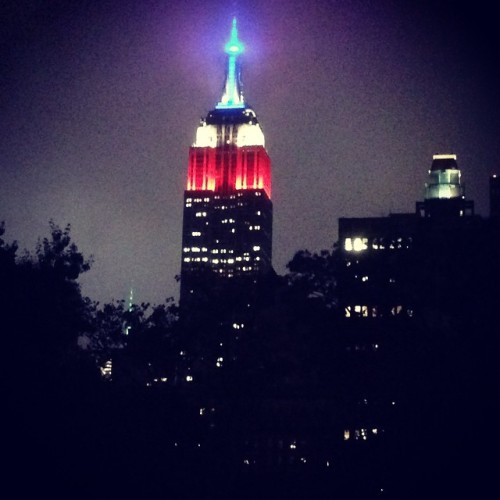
{"points": [[232, 96]]}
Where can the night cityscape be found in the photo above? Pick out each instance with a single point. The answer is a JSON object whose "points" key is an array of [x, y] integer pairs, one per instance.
{"points": [[293, 296]]}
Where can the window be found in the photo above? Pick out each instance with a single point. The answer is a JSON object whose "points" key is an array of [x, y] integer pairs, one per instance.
{"points": [[357, 244]]}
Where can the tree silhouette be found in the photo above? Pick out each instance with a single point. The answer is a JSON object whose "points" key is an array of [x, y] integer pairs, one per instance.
{"points": [[42, 309]]}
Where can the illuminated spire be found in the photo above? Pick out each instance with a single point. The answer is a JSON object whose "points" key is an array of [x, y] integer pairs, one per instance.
{"points": [[232, 96], [131, 299]]}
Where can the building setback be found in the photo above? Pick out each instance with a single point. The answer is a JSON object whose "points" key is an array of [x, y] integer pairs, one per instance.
{"points": [[227, 219]]}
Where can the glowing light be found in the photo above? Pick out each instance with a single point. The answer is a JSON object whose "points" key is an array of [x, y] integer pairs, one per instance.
{"points": [[444, 157], [232, 96], [234, 46], [355, 244]]}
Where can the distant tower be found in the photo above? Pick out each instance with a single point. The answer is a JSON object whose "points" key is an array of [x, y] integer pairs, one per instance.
{"points": [[130, 304], [444, 192], [494, 196], [227, 220]]}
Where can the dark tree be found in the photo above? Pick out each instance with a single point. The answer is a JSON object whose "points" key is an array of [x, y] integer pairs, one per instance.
{"points": [[42, 309]]}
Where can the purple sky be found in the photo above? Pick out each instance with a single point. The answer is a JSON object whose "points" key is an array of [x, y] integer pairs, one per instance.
{"points": [[100, 101]]}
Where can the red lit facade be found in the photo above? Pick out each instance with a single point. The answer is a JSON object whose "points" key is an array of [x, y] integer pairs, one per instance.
{"points": [[229, 168]]}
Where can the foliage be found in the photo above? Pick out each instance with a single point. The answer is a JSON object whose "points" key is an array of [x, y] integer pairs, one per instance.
{"points": [[42, 310], [316, 275]]}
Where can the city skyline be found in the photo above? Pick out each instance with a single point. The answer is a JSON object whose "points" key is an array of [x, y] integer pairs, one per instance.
{"points": [[100, 104]]}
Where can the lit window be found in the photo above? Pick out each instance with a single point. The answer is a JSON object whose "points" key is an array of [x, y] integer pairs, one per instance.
{"points": [[195, 233], [187, 259], [355, 244], [189, 378], [186, 249], [396, 310], [256, 248]]}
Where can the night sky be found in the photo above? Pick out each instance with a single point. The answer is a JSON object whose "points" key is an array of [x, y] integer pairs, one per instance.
{"points": [[100, 101]]}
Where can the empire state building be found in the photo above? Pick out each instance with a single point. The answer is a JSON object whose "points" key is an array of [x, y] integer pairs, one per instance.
{"points": [[227, 220]]}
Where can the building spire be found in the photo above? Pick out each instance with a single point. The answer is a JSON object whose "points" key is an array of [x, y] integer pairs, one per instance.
{"points": [[232, 96]]}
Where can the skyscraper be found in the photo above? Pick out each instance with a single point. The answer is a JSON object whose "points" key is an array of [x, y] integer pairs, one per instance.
{"points": [[227, 220]]}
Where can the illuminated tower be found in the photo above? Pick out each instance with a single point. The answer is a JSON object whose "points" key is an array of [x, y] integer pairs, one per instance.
{"points": [[227, 223], [445, 191]]}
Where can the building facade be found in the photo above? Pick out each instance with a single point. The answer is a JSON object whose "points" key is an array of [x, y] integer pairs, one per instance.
{"points": [[227, 218]]}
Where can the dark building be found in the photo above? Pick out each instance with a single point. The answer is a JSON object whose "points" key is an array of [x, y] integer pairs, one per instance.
{"points": [[416, 292], [495, 196], [227, 223]]}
